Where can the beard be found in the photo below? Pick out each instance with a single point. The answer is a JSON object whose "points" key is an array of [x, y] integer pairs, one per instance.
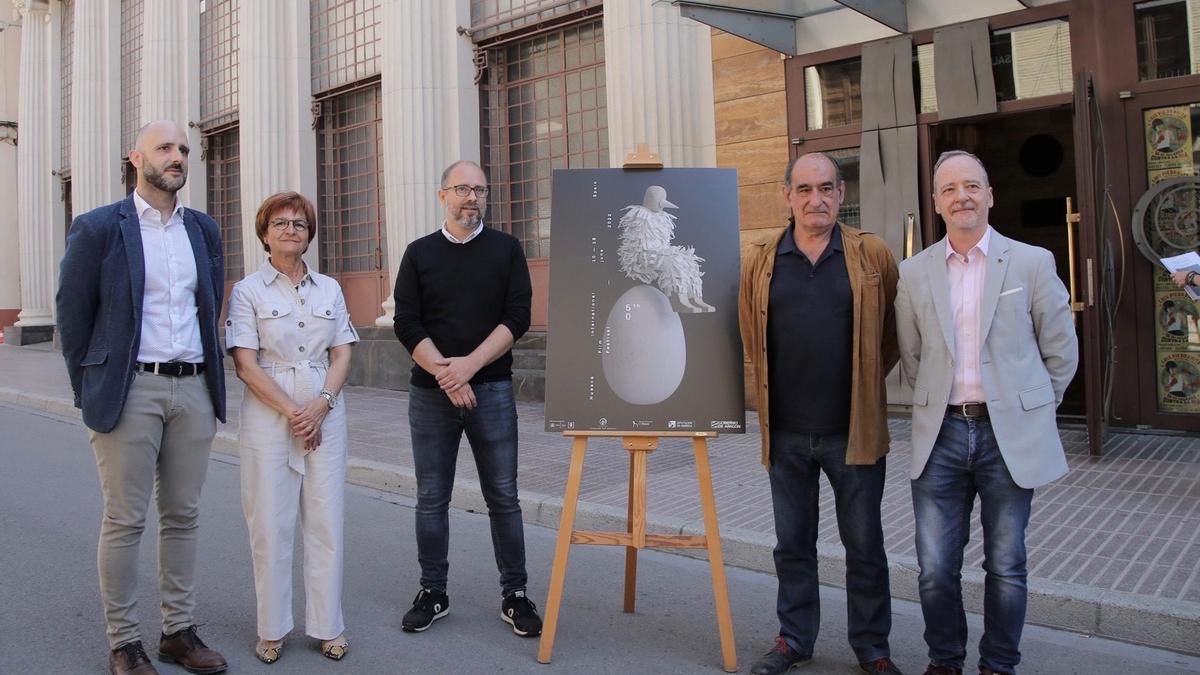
{"points": [[469, 219], [160, 180]]}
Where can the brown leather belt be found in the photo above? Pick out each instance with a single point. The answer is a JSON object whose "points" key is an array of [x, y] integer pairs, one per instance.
{"points": [[968, 409], [171, 368]]}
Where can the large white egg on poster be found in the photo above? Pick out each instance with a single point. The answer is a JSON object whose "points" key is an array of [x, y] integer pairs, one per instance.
{"points": [[644, 351]]}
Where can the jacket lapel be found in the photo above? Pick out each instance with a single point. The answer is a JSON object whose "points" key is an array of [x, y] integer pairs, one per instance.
{"points": [[204, 297], [131, 235], [997, 266], [939, 288]]}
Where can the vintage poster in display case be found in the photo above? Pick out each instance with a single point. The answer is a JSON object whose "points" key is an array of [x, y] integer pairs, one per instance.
{"points": [[1177, 317], [643, 332], [1168, 141], [1178, 382]]}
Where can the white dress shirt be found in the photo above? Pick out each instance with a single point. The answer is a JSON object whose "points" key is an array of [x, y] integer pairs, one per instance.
{"points": [[170, 317], [966, 275], [455, 240]]}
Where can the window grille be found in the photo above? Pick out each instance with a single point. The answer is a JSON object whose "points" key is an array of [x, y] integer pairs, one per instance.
{"points": [[223, 160], [218, 62], [493, 18], [350, 181], [345, 42], [542, 108], [67, 37], [131, 73]]}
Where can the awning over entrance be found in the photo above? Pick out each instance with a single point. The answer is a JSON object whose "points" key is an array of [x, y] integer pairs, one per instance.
{"points": [[803, 26]]}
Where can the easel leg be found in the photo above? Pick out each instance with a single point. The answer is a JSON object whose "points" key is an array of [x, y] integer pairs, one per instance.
{"points": [[716, 560], [631, 552], [562, 549]]}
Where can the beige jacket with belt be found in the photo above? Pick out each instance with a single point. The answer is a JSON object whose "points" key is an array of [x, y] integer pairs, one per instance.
{"points": [[873, 274]]}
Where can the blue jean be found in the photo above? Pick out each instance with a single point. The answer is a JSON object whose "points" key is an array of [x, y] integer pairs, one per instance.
{"points": [[797, 460], [491, 427], [966, 461]]}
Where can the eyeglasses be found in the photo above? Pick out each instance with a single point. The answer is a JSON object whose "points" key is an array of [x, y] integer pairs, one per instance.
{"points": [[481, 191], [281, 224]]}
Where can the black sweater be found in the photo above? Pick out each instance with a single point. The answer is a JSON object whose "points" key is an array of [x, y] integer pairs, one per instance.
{"points": [[456, 295]]}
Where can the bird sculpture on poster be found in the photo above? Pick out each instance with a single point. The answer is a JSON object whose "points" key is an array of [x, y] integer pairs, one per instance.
{"points": [[645, 352]]}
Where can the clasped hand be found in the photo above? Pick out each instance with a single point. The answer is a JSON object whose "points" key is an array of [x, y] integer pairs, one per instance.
{"points": [[454, 378], [306, 422]]}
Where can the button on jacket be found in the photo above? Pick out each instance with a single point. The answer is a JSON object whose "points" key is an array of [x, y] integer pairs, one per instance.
{"points": [[873, 275]]}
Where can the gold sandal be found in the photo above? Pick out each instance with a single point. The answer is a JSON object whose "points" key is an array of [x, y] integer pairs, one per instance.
{"points": [[268, 654], [334, 650]]}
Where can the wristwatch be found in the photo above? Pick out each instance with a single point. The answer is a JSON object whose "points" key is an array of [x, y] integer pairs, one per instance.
{"points": [[329, 398], [1190, 279]]}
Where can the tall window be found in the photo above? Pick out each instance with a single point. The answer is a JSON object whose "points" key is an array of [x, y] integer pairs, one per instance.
{"points": [[345, 42], [131, 83], [218, 62], [219, 125], [225, 196], [490, 18], [67, 44], [67, 39], [345, 83], [350, 182], [542, 108]]}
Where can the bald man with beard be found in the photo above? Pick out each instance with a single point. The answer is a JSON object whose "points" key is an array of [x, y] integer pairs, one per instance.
{"points": [[139, 294]]}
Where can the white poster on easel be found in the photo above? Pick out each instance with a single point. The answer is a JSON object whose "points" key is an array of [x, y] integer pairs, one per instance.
{"points": [[643, 332]]}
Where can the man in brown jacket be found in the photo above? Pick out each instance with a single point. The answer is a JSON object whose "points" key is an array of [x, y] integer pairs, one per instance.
{"points": [[817, 322]]}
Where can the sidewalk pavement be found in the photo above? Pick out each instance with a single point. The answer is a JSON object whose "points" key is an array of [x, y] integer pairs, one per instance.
{"points": [[1114, 547]]}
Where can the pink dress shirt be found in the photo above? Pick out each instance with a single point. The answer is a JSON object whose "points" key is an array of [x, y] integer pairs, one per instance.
{"points": [[966, 275]]}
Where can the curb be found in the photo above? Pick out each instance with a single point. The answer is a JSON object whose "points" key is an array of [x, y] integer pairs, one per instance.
{"points": [[1139, 619]]}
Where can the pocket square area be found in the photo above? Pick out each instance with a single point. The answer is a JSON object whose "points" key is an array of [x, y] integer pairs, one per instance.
{"points": [[1012, 290]]}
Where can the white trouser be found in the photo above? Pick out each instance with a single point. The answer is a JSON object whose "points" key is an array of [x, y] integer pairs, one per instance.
{"points": [[274, 494]]}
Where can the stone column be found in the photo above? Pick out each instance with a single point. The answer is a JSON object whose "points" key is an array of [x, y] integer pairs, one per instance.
{"points": [[278, 145], [170, 81], [35, 184], [430, 116], [96, 104], [658, 69]]}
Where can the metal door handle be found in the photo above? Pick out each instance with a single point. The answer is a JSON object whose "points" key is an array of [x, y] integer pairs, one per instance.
{"points": [[1073, 217]]}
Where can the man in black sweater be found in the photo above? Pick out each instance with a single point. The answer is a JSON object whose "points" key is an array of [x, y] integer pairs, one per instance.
{"points": [[462, 299]]}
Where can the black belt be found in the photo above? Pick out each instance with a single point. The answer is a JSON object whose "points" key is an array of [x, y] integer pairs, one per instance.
{"points": [[171, 368], [968, 409]]}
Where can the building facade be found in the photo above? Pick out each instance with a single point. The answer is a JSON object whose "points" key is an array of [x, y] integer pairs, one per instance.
{"points": [[1086, 113], [359, 103], [356, 103]]}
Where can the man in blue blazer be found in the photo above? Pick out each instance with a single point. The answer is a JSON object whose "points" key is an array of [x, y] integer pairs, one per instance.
{"points": [[988, 345], [139, 294]]}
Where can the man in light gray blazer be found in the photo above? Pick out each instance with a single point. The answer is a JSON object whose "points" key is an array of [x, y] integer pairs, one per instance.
{"points": [[988, 345]]}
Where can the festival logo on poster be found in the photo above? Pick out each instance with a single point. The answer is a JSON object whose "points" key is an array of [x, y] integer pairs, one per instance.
{"points": [[1179, 382], [1169, 139], [643, 302]]}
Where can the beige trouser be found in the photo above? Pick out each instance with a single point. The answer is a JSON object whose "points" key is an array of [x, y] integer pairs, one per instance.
{"points": [[160, 443], [280, 483]]}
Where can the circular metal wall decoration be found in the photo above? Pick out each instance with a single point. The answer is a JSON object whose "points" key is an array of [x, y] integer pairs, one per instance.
{"points": [[1166, 220]]}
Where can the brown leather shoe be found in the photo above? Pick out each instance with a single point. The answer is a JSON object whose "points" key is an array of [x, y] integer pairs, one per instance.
{"points": [[130, 659], [186, 649]]}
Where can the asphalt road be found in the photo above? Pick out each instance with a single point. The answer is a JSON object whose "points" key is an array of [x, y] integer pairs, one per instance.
{"points": [[50, 617]]}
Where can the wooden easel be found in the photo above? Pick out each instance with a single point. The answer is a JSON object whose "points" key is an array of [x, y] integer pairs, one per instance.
{"points": [[639, 444]]}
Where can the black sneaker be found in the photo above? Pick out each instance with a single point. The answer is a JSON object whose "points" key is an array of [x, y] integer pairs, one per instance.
{"points": [[779, 659], [519, 612], [429, 606]]}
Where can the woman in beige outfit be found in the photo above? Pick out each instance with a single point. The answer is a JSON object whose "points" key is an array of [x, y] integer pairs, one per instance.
{"points": [[290, 335]]}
